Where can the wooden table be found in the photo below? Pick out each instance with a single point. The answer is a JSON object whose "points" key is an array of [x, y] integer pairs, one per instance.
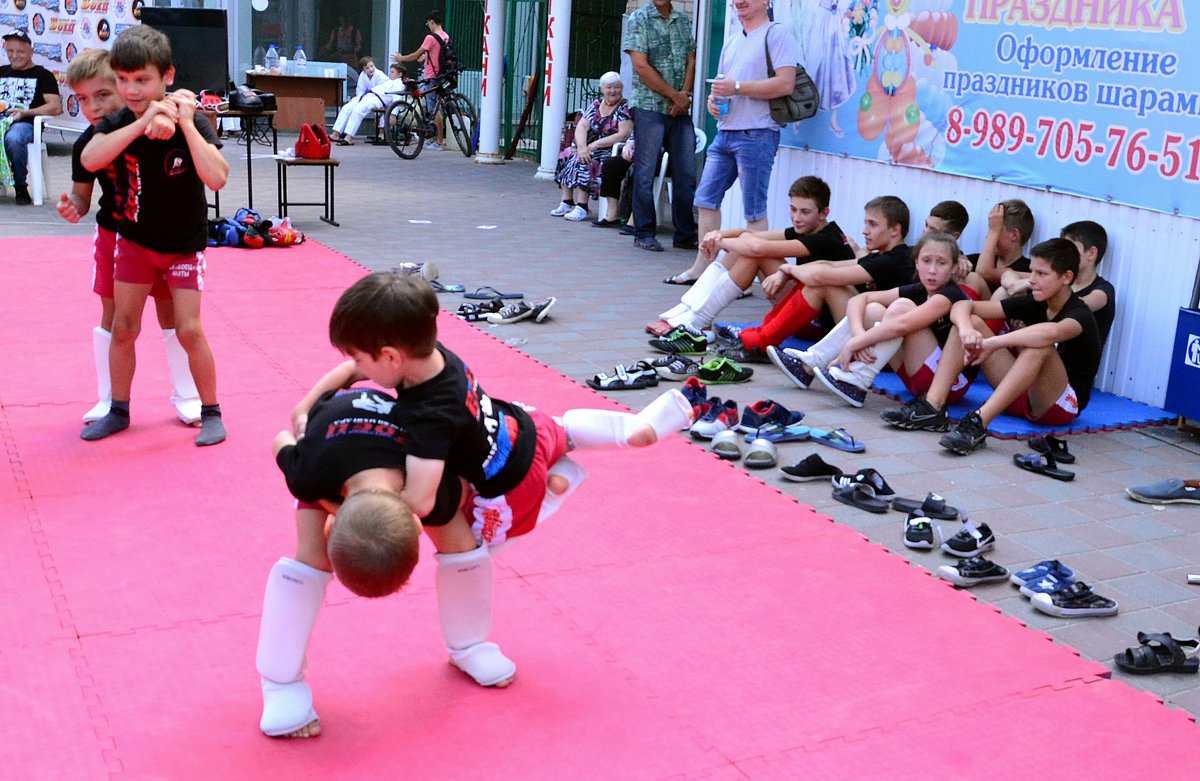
{"points": [[298, 96]]}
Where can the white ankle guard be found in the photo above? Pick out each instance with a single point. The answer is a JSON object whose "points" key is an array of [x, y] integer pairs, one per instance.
{"points": [[286, 707]]}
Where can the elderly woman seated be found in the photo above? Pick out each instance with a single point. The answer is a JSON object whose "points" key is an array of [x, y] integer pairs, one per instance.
{"points": [[605, 122]]}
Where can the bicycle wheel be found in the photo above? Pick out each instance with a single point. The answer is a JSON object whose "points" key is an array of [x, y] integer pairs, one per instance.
{"points": [[404, 130], [460, 117]]}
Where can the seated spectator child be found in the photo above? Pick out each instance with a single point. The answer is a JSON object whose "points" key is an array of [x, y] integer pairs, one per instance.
{"points": [[886, 262], [905, 327], [357, 109], [368, 77], [748, 254], [947, 217], [1010, 224], [1049, 379], [1091, 240], [369, 453]]}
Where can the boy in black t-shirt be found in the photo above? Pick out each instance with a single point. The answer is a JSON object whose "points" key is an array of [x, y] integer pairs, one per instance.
{"points": [[886, 262], [163, 227], [445, 431], [95, 88], [751, 254], [1010, 224], [1091, 240], [1049, 380]]}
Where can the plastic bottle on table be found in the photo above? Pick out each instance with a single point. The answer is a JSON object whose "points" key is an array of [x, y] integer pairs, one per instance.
{"points": [[271, 60], [260, 56], [721, 102], [300, 58]]}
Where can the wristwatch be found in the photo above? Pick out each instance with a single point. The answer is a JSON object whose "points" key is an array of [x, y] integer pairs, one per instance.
{"points": [[737, 88]]}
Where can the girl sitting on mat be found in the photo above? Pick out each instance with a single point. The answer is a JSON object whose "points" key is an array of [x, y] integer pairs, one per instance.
{"points": [[904, 327]]}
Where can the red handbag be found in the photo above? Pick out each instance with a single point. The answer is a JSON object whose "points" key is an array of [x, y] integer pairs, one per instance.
{"points": [[314, 143]]}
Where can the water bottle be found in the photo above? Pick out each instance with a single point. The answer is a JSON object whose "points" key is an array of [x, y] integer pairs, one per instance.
{"points": [[721, 101], [272, 58], [260, 56], [299, 58]]}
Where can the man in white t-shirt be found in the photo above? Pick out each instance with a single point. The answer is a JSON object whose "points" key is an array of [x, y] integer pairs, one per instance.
{"points": [[430, 52], [747, 137]]}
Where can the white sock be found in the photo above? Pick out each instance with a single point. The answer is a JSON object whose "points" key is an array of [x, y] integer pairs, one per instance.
{"points": [[820, 354], [863, 374], [464, 591], [293, 597], [101, 342], [184, 395]]}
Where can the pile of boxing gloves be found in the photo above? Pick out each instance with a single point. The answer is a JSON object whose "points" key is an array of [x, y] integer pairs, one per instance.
{"points": [[248, 229]]}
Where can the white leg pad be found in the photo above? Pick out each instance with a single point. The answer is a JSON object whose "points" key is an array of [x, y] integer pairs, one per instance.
{"points": [[184, 395], [820, 354], [863, 374], [667, 414], [464, 590], [697, 294], [598, 429], [293, 597], [286, 707], [101, 341], [675, 311], [723, 293], [573, 473]]}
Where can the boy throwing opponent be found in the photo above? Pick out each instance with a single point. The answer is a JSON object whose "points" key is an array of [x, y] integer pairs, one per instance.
{"points": [[400, 464], [95, 87], [163, 227]]}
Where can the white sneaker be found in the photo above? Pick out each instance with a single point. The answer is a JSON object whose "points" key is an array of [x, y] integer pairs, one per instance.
{"points": [[578, 214], [434, 145], [563, 208]]}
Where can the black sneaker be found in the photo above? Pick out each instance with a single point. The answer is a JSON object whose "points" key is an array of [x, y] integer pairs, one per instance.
{"points": [[734, 350], [920, 415], [23, 198], [811, 468], [919, 531], [971, 541], [792, 368], [969, 435], [1077, 601], [972, 572], [675, 367], [682, 340]]}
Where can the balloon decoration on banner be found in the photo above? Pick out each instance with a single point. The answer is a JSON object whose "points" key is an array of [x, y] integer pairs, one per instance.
{"points": [[890, 104]]}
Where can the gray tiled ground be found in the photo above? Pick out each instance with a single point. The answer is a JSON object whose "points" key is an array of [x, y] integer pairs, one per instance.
{"points": [[607, 289]]}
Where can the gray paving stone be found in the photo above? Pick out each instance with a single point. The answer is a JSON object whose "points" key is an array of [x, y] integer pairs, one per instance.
{"points": [[1151, 589], [1051, 544], [1149, 558]]}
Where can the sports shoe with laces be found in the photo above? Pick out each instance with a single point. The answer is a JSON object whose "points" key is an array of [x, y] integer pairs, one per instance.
{"points": [[560, 210], [1046, 584], [969, 435], [734, 350], [972, 572], [970, 541], [920, 415], [522, 310], [722, 416], [919, 532], [811, 468], [694, 391], [675, 367], [792, 368], [1042, 568], [683, 340], [765, 412], [727, 331], [847, 392], [723, 370], [1076, 601]]}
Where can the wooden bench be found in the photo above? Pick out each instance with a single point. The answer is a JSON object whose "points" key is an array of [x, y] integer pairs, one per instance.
{"points": [[328, 165]]}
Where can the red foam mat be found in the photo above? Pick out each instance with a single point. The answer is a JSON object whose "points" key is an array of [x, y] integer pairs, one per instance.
{"points": [[724, 632]]}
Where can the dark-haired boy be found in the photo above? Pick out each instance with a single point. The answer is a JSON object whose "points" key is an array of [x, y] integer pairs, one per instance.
{"points": [[1048, 381], [164, 227], [947, 217], [1091, 240], [1010, 224]]}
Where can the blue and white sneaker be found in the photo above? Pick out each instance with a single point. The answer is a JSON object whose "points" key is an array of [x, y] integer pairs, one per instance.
{"points": [[765, 412], [1046, 584], [792, 368], [727, 332], [1041, 569], [847, 392]]}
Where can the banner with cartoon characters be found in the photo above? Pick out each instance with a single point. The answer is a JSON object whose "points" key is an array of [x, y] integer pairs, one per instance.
{"points": [[60, 29], [1080, 96]]}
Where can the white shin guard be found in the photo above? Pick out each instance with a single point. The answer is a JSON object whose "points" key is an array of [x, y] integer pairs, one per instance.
{"points": [[184, 395], [675, 311], [820, 354], [595, 429], [570, 471], [863, 374], [667, 414], [464, 591], [293, 597], [723, 293], [698, 293], [101, 342]]}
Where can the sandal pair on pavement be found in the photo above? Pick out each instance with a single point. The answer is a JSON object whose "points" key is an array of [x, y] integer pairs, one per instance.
{"points": [[1042, 464], [635, 377], [1159, 653]]}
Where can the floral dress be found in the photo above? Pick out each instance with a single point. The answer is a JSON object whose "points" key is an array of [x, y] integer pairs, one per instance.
{"points": [[586, 176]]}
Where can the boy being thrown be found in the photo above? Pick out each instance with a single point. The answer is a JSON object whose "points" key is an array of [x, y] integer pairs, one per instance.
{"points": [[440, 427], [163, 227]]}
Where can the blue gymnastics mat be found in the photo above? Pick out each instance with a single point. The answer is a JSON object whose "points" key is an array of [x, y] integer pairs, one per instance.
{"points": [[1105, 412]]}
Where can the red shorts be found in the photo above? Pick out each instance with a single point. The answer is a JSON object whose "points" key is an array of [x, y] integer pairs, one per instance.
{"points": [[1065, 410], [104, 249], [922, 381], [516, 512], [140, 266]]}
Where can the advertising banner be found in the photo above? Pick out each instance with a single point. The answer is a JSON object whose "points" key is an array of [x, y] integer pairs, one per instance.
{"points": [[1079, 96], [60, 29]]}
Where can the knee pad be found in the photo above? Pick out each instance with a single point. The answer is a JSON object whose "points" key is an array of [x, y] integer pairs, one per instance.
{"points": [[293, 597]]}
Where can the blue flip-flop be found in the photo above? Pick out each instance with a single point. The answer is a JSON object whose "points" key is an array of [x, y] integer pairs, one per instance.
{"points": [[490, 293], [438, 287], [773, 432], [839, 439]]}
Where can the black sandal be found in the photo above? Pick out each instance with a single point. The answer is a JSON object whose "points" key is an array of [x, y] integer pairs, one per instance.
{"points": [[1054, 446], [860, 495], [933, 506], [1159, 653], [1042, 464]]}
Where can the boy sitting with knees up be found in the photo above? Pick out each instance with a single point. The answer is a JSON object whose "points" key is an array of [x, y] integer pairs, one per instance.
{"points": [[905, 327], [95, 87], [1049, 379], [750, 254], [403, 474], [1000, 265]]}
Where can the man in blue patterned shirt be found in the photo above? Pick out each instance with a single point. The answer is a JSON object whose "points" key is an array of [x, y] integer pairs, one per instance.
{"points": [[662, 47]]}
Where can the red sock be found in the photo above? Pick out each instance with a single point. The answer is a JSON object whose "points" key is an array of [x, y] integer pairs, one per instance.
{"points": [[785, 318]]}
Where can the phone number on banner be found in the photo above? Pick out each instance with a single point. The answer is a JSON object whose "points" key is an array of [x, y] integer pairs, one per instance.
{"points": [[1134, 149]]}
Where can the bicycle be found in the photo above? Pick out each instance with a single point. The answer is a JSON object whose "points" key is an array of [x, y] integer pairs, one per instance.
{"points": [[408, 125]]}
